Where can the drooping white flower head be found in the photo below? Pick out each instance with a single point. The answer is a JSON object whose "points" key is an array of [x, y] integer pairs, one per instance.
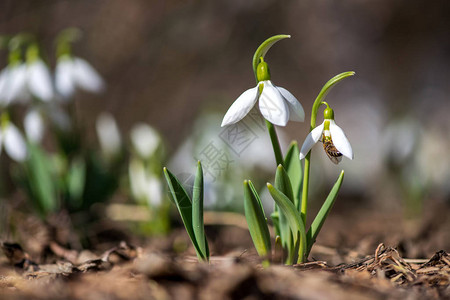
{"points": [[145, 140], [145, 186], [276, 104], [108, 134], [335, 143], [73, 72], [33, 124], [12, 140], [39, 81], [13, 84], [19, 81]]}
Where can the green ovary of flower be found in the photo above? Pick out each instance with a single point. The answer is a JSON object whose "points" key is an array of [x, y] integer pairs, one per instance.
{"points": [[262, 71]]}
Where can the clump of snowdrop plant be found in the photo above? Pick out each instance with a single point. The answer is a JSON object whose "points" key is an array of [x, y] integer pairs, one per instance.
{"points": [[52, 179], [290, 189]]}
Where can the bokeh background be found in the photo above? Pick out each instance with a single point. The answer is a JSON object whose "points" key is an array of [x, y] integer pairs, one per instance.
{"points": [[178, 66]]}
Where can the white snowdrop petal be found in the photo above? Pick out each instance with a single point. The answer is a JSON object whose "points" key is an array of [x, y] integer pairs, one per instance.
{"points": [[273, 106], [3, 80], [86, 77], [1, 140], [340, 141], [64, 82], [108, 134], [145, 140], [16, 83], [15, 144], [34, 126], [138, 183], [296, 112], [241, 107], [39, 80], [312, 138], [154, 192]]}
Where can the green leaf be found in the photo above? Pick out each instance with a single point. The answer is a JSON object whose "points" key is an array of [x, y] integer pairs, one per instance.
{"points": [[197, 211], [293, 217], [283, 184], [264, 47], [183, 203], [256, 220], [275, 217], [41, 181], [294, 170], [76, 179], [316, 225]]}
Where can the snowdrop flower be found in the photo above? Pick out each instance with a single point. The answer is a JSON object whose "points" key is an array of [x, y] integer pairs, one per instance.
{"points": [[72, 72], [145, 140], [20, 81], [276, 104], [12, 140], [34, 126], [145, 186], [13, 83], [335, 143], [108, 134]]}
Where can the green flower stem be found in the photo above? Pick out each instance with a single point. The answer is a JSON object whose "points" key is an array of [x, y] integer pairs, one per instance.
{"points": [[319, 100], [275, 143]]}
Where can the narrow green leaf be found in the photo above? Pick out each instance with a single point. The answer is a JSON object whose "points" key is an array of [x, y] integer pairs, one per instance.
{"points": [[41, 181], [275, 217], [283, 184], [293, 217], [316, 225], [294, 170], [183, 203], [256, 220], [264, 47], [76, 179], [197, 210]]}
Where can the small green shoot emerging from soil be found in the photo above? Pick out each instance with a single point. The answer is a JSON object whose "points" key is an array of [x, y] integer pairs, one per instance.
{"points": [[191, 211]]}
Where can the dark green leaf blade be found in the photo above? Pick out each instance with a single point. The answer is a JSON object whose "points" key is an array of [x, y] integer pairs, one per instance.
{"points": [[41, 180], [183, 203], [256, 220], [283, 184], [197, 211], [316, 225], [294, 170], [293, 217]]}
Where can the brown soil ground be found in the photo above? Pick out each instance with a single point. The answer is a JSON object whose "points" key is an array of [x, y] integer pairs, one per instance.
{"points": [[342, 266]]}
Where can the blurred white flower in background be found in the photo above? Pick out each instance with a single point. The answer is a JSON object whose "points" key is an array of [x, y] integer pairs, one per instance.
{"points": [[145, 167], [12, 83], [73, 72], [145, 186], [145, 140], [39, 81], [34, 126], [19, 81], [12, 140], [108, 135]]}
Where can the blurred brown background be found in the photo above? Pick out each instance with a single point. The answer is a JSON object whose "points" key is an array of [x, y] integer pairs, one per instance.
{"points": [[166, 62]]}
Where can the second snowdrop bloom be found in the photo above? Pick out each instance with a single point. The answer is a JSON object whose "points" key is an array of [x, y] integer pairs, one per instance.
{"points": [[12, 140], [276, 104], [73, 72], [335, 143], [20, 81]]}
